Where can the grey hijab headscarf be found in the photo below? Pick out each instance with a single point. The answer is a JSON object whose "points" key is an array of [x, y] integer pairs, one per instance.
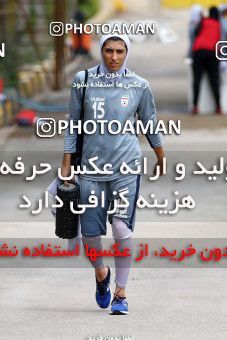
{"points": [[103, 69]]}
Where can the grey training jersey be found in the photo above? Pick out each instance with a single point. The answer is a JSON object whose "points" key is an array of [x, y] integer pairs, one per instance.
{"points": [[130, 98]]}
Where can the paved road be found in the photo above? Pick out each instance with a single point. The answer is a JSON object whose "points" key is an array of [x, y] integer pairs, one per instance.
{"points": [[165, 303]]}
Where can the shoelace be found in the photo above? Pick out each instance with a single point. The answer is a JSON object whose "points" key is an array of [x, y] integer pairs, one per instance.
{"points": [[118, 297], [101, 288]]}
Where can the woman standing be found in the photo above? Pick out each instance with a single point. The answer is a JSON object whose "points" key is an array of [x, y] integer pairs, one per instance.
{"points": [[196, 15], [208, 34]]}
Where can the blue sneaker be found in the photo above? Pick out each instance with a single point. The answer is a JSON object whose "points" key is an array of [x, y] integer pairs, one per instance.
{"points": [[103, 295], [119, 306]]}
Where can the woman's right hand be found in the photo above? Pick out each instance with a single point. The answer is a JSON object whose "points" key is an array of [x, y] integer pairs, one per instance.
{"points": [[66, 167], [65, 172]]}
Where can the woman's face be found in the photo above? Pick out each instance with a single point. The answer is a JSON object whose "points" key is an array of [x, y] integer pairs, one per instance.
{"points": [[114, 53]]}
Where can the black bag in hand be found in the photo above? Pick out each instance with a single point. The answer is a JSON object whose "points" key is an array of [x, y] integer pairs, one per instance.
{"points": [[67, 222]]}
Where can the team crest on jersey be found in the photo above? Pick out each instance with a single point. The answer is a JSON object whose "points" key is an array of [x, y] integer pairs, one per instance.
{"points": [[124, 101]]}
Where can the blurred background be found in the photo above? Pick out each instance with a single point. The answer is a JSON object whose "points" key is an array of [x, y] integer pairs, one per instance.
{"points": [[36, 75], [37, 63]]}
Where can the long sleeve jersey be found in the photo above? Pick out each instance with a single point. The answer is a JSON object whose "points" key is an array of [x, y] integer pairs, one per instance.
{"points": [[127, 100]]}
